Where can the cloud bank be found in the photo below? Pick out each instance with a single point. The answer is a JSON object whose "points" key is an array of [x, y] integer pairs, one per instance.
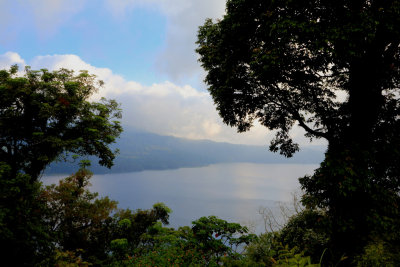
{"points": [[11, 58], [164, 108]]}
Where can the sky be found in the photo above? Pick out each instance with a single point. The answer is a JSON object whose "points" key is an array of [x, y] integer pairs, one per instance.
{"points": [[144, 51]]}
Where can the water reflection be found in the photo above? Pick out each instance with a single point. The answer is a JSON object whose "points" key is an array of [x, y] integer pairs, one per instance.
{"points": [[231, 191]]}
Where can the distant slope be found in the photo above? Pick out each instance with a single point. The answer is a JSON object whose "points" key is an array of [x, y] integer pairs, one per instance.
{"points": [[147, 151]]}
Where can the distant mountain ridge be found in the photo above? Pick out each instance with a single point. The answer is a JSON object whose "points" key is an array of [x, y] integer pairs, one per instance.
{"points": [[148, 151]]}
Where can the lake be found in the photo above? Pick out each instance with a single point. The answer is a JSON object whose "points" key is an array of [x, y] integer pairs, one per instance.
{"points": [[233, 191]]}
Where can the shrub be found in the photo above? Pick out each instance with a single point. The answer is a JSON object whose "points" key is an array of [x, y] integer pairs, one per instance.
{"points": [[307, 233], [378, 253]]}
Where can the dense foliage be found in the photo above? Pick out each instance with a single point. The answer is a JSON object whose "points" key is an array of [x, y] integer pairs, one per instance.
{"points": [[76, 218], [332, 68], [44, 114]]}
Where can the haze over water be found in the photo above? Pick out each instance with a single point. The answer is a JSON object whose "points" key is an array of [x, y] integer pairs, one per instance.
{"points": [[233, 192]]}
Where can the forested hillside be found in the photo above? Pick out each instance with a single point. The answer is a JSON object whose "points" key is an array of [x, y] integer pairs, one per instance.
{"points": [[147, 151]]}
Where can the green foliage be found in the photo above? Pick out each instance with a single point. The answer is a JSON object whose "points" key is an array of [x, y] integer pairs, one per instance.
{"points": [[138, 227], [262, 250], [78, 219], [171, 255], [45, 114], [207, 243], [306, 232], [119, 248], [124, 224], [378, 253], [216, 237], [90, 230], [70, 259], [268, 251], [288, 257]]}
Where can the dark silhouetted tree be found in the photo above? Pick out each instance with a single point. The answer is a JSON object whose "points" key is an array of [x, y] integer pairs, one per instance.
{"points": [[332, 68]]}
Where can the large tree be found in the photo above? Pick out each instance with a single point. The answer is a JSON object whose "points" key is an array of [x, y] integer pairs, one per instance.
{"points": [[44, 115], [332, 68]]}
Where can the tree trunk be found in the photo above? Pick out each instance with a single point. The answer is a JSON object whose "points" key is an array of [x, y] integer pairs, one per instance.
{"points": [[351, 202]]}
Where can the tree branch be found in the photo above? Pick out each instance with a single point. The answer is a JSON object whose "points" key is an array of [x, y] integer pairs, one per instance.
{"points": [[302, 124]]}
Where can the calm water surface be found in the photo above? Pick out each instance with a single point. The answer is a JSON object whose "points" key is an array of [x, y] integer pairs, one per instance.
{"points": [[233, 192]]}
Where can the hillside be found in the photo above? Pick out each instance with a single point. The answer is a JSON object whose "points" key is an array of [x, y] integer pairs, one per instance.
{"points": [[147, 151]]}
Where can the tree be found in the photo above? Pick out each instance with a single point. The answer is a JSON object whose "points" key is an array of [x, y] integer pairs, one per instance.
{"points": [[77, 218], [133, 225], [25, 237], [45, 114], [208, 242], [332, 68]]}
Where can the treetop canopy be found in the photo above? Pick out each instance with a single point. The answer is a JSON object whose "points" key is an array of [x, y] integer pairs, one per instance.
{"points": [[44, 114]]}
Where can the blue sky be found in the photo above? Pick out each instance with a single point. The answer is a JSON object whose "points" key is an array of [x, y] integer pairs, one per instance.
{"points": [[142, 49], [128, 45]]}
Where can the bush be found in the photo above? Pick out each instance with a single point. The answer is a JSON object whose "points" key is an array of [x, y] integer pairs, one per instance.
{"points": [[263, 249], [307, 233], [207, 243], [378, 253]]}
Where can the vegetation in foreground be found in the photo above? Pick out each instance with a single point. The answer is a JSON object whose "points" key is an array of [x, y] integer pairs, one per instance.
{"points": [[70, 226]]}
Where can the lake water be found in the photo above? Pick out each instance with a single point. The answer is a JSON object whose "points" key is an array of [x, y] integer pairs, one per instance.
{"points": [[233, 192]]}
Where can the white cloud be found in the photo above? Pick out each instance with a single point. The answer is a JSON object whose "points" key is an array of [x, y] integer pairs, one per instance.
{"points": [[163, 108], [11, 58]]}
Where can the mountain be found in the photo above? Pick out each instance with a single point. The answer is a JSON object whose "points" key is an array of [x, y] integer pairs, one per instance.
{"points": [[148, 151]]}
